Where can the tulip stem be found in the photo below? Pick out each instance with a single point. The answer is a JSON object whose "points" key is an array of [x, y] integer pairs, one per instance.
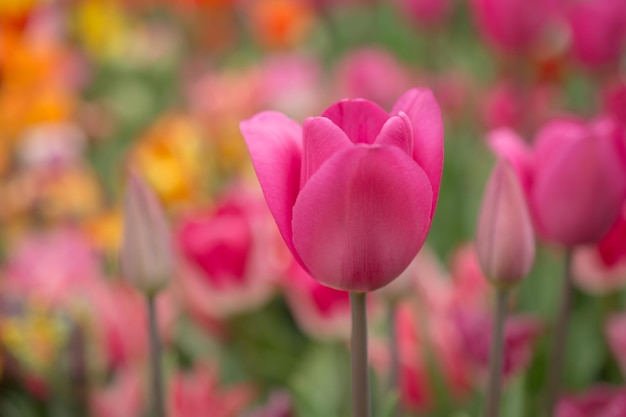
{"points": [[557, 354], [395, 357], [360, 372], [156, 377], [496, 357]]}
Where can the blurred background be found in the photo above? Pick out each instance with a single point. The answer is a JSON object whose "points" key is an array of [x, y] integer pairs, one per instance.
{"points": [[91, 88]]}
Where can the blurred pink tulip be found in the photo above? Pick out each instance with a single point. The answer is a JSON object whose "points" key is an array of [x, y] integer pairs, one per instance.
{"points": [[197, 393], [233, 256], [520, 333], [147, 254], [122, 398], [598, 30], [55, 268], [511, 25], [320, 311], [415, 338], [614, 99], [427, 13], [615, 329], [353, 192], [574, 178], [371, 73], [602, 268], [597, 402], [505, 242], [278, 405], [470, 311], [291, 84]]}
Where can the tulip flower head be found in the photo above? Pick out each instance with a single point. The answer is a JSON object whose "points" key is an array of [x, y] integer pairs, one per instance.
{"points": [[573, 178], [504, 239], [146, 258], [353, 192]]}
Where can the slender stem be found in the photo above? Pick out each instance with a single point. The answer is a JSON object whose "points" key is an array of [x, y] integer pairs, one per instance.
{"points": [[156, 377], [557, 354], [395, 357], [360, 374], [496, 358]]}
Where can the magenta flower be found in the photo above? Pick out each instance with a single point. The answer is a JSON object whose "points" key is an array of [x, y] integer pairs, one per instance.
{"points": [[354, 191], [598, 31], [602, 401], [573, 178], [601, 268], [512, 25], [428, 13]]}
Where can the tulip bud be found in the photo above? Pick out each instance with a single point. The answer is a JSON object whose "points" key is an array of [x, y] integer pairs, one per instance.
{"points": [[504, 238], [146, 258]]}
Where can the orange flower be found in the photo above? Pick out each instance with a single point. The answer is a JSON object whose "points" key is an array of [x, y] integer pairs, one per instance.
{"points": [[280, 23]]}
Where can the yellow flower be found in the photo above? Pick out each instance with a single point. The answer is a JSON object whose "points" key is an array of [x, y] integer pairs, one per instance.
{"points": [[102, 26], [169, 157]]}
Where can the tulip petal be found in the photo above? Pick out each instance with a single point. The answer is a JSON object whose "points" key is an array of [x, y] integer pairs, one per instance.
{"points": [[397, 131], [578, 194], [275, 142], [361, 219], [507, 144], [321, 138], [360, 119], [421, 107]]}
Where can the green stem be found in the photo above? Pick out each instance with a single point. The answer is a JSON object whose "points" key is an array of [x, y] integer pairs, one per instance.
{"points": [[360, 374], [156, 377], [496, 358], [395, 357], [557, 354]]}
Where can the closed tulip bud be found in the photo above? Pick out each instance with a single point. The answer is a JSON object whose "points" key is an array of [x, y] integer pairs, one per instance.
{"points": [[146, 257], [504, 238]]}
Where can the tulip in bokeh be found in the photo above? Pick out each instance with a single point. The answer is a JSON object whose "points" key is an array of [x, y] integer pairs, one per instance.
{"points": [[147, 255], [598, 31], [514, 26], [232, 256], [573, 178], [320, 311], [372, 73], [601, 268], [505, 242], [354, 191], [197, 393], [601, 401], [426, 13]]}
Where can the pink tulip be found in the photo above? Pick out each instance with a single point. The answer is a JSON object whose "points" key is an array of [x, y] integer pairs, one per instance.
{"points": [[614, 99], [147, 254], [428, 13], [573, 178], [512, 25], [232, 255], [598, 31], [414, 336], [122, 398], [520, 333], [320, 311], [278, 405], [598, 402], [353, 192], [371, 73], [291, 84], [602, 268], [505, 242], [54, 268], [197, 393], [615, 330], [469, 309]]}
